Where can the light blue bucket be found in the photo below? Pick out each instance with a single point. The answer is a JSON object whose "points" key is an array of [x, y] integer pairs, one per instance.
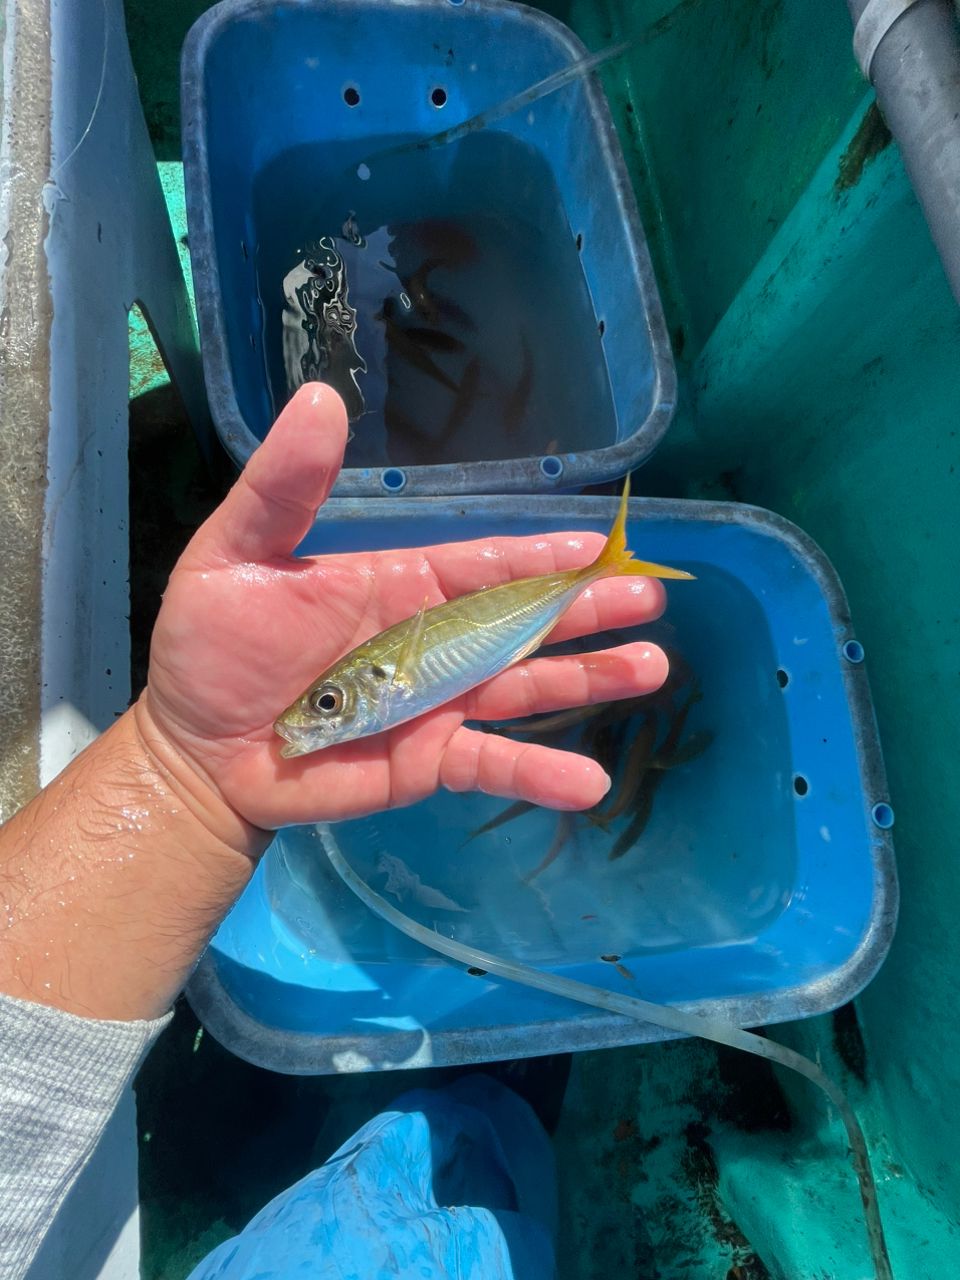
{"points": [[762, 889]]}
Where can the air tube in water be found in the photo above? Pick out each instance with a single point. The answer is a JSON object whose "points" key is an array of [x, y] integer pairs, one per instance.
{"points": [[549, 84]]}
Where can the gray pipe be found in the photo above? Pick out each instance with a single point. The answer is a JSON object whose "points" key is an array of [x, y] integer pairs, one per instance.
{"points": [[915, 70]]}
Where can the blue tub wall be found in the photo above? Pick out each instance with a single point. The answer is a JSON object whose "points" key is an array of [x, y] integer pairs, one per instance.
{"points": [[774, 605]]}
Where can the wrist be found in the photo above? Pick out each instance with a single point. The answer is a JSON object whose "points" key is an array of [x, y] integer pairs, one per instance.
{"points": [[116, 875], [197, 792]]}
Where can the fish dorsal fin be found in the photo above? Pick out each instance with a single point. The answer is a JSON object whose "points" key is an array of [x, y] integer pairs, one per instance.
{"points": [[409, 653]]}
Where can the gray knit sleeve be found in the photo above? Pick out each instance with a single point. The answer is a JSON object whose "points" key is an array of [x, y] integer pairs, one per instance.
{"points": [[60, 1079]]}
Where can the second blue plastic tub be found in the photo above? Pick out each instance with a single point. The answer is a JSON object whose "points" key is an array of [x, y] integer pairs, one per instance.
{"points": [[761, 889]]}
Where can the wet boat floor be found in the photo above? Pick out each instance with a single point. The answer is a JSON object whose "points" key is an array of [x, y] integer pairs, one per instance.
{"points": [[218, 1138]]}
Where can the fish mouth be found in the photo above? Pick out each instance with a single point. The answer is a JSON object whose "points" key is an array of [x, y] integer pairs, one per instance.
{"points": [[292, 745]]}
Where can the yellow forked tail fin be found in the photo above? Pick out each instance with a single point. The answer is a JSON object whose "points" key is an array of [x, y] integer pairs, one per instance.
{"points": [[617, 558]]}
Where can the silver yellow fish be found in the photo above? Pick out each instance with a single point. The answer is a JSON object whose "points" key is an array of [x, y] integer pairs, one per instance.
{"points": [[444, 651]]}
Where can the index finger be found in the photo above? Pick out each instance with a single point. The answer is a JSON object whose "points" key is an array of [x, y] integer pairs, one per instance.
{"points": [[488, 562]]}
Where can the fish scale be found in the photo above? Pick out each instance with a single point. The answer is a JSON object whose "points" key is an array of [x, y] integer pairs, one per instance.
{"points": [[455, 662]]}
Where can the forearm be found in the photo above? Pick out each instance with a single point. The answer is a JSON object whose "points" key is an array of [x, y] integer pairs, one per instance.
{"points": [[114, 877]]}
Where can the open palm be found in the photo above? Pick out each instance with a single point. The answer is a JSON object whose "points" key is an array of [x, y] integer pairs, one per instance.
{"points": [[245, 626]]}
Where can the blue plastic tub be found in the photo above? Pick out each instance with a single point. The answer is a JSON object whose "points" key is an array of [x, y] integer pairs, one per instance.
{"points": [[518, 249], [763, 888]]}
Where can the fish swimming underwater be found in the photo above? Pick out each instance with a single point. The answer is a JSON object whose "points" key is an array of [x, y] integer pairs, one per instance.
{"points": [[646, 770], [444, 651], [415, 344], [431, 306]]}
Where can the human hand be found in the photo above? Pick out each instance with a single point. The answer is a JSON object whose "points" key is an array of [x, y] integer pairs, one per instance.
{"points": [[245, 626]]}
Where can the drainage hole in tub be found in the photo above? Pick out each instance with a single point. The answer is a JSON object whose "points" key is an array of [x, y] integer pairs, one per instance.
{"points": [[882, 815]]}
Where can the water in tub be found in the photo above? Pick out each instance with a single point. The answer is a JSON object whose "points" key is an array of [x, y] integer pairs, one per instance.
{"points": [[682, 854], [442, 293]]}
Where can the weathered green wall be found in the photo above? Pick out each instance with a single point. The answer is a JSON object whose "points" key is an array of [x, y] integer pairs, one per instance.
{"points": [[822, 380]]}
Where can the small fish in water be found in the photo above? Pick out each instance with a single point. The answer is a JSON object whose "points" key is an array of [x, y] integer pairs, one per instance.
{"points": [[560, 720], [434, 340], [443, 239], [516, 405], [641, 816], [599, 715], [319, 326], [639, 759], [430, 305], [445, 651], [515, 810], [419, 293], [404, 883], [604, 744], [548, 728], [564, 831], [403, 342], [465, 399], [640, 787]]}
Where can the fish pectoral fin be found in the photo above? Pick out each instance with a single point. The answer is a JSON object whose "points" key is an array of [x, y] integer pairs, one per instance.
{"points": [[409, 654]]}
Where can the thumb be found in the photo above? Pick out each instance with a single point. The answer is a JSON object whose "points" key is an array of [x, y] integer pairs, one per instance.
{"points": [[289, 477]]}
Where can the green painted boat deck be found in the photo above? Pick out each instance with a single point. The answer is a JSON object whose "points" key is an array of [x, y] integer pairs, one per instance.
{"points": [[816, 342]]}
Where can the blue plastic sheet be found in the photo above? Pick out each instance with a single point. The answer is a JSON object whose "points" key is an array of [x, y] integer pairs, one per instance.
{"points": [[452, 1184]]}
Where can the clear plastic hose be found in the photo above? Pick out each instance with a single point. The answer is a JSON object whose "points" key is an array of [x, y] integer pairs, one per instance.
{"points": [[687, 1024], [550, 84]]}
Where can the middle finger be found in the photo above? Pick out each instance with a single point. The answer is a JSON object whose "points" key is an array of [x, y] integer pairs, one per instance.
{"points": [[575, 680]]}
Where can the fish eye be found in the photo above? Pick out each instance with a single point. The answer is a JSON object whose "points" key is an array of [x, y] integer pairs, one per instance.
{"points": [[328, 700]]}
